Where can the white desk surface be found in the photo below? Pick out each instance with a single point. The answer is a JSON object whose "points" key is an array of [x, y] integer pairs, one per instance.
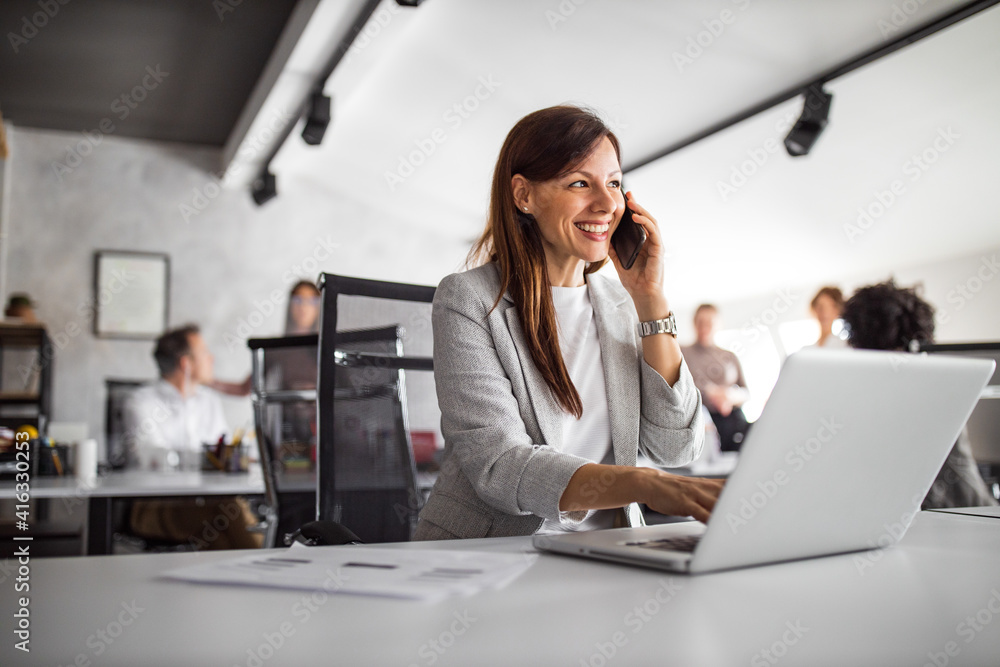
{"points": [[133, 483], [892, 607]]}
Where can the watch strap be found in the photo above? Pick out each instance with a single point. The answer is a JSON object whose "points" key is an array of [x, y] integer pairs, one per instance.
{"points": [[666, 325]]}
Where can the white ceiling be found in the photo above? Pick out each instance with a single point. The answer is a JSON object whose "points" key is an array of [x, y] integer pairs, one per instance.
{"points": [[784, 225]]}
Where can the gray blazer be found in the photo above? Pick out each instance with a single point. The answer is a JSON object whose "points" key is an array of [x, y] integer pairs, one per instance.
{"points": [[503, 470]]}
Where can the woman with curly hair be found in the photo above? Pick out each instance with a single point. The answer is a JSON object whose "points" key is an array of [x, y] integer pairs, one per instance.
{"points": [[887, 317]]}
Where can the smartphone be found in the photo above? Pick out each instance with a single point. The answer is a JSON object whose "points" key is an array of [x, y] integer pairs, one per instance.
{"points": [[628, 237]]}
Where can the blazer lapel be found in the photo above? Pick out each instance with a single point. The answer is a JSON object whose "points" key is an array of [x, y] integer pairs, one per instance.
{"points": [[548, 412], [621, 369]]}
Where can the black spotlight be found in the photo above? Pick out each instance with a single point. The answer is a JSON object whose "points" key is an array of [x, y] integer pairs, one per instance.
{"points": [[317, 120], [815, 114], [264, 188], [409, 3]]}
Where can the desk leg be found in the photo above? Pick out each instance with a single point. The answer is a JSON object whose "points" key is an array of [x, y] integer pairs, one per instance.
{"points": [[98, 526]]}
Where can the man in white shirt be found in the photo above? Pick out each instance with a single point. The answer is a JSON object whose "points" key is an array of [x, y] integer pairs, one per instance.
{"points": [[171, 418], [176, 412]]}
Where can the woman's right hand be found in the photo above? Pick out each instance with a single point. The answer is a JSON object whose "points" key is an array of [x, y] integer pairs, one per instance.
{"points": [[676, 495]]}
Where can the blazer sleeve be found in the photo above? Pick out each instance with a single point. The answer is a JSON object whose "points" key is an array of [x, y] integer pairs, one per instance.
{"points": [[671, 426], [480, 417]]}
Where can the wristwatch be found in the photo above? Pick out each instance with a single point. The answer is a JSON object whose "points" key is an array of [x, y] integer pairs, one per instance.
{"points": [[667, 325]]}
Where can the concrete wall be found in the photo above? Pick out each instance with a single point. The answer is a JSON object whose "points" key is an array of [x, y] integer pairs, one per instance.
{"points": [[228, 257]]}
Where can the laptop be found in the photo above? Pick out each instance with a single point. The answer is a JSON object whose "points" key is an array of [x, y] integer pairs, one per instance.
{"points": [[844, 452]]}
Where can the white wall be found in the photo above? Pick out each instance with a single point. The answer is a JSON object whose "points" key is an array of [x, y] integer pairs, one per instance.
{"points": [[226, 260], [965, 292]]}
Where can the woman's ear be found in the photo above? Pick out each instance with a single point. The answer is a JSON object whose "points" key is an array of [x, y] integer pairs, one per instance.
{"points": [[522, 191]]}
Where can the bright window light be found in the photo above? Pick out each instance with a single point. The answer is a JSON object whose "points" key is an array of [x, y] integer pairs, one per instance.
{"points": [[799, 333], [761, 360]]}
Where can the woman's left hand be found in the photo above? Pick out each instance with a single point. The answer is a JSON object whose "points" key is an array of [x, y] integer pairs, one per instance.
{"points": [[644, 281]]}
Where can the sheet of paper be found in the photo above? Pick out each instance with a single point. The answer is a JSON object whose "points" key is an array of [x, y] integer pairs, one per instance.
{"points": [[420, 574]]}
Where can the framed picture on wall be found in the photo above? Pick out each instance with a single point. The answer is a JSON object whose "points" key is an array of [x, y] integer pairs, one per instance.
{"points": [[131, 293]]}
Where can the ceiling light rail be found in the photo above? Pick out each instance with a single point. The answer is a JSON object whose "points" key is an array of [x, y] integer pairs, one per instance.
{"points": [[813, 91], [316, 107]]}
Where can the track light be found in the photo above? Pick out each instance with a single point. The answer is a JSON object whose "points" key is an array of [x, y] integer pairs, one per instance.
{"points": [[264, 188], [317, 120], [815, 113]]}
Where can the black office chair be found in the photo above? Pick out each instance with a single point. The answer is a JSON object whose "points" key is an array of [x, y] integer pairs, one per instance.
{"points": [[283, 394], [120, 449], [117, 392], [121, 454], [366, 474], [284, 397]]}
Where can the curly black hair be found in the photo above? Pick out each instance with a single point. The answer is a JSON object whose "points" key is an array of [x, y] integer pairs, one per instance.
{"points": [[887, 317]]}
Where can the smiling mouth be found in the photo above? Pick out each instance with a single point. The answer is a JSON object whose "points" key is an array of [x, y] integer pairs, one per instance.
{"points": [[600, 228]]}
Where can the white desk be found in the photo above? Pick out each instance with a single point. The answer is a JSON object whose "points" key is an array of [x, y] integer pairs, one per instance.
{"points": [[904, 603], [100, 493], [143, 483]]}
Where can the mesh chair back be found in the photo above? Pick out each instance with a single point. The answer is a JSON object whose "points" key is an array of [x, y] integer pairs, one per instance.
{"points": [[284, 399], [375, 338], [119, 445]]}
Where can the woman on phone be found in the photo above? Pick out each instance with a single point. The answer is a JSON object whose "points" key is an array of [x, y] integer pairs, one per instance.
{"points": [[547, 388]]}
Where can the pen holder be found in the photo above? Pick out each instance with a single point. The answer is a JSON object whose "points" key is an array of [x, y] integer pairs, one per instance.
{"points": [[49, 461], [227, 458]]}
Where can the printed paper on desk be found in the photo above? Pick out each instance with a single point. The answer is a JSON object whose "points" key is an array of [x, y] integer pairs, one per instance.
{"points": [[420, 574]]}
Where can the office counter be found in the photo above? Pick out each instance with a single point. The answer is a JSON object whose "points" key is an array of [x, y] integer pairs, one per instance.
{"points": [[101, 492], [936, 596]]}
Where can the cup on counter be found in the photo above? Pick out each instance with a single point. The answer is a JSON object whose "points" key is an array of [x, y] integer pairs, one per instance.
{"points": [[85, 460]]}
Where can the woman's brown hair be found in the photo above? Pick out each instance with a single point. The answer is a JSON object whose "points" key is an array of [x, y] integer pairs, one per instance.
{"points": [[833, 293], [540, 147]]}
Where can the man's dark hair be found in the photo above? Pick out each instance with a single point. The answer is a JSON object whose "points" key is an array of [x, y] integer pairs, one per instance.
{"points": [[887, 317], [173, 345], [705, 306]]}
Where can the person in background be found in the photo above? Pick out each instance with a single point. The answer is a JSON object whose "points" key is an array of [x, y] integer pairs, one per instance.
{"points": [[826, 307], [20, 370], [718, 375], [21, 307], [887, 317], [170, 419], [301, 317]]}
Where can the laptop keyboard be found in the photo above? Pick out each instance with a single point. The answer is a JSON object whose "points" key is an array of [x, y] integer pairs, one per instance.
{"points": [[683, 543]]}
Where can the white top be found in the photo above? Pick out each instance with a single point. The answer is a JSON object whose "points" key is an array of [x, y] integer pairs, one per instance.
{"points": [[831, 342], [158, 416], [590, 436]]}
